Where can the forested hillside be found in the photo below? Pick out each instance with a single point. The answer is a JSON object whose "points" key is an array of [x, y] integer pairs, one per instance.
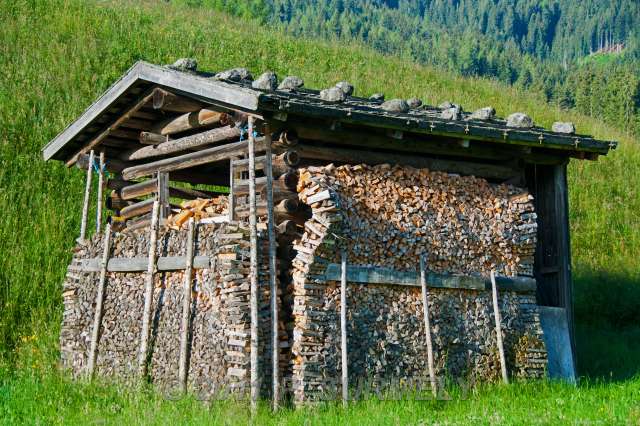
{"points": [[581, 54]]}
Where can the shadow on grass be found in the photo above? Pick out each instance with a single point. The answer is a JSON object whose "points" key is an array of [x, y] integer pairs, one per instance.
{"points": [[607, 320]]}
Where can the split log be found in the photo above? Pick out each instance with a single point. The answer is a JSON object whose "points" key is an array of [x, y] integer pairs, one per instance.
{"points": [[185, 161], [190, 121], [183, 144], [168, 101]]}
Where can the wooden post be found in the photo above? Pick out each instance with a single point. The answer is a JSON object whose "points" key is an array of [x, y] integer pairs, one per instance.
{"points": [[186, 309], [343, 328], [87, 195], [232, 203], [97, 319], [148, 294], [163, 194], [100, 189], [275, 341], [496, 313], [427, 325], [255, 386]]}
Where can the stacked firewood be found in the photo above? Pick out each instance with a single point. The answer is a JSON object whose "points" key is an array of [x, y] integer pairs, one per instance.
{"points": [[198, 209], [395, 214]]}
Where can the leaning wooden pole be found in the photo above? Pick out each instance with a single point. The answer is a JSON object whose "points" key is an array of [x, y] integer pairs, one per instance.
{"points": [[87, 195], [148, 294], [343, 328], [427, 325], [275, 336], [186, 309], [100, 201], [496, 313], [255, 388], [97, 318]]}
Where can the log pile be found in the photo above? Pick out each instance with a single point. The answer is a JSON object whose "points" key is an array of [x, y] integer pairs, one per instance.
{"points": [[394, 214], [198, 209], [387, 216], [220, 324]]}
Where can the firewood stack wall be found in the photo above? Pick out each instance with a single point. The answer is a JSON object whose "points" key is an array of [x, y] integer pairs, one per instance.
{"points": [[389, 216], [220, 330]]}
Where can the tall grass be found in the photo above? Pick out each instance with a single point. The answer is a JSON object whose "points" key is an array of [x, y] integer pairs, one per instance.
{"points": [[57, 56]]}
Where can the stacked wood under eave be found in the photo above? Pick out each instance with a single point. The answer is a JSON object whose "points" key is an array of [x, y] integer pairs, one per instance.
{"points": [[395, 214]]}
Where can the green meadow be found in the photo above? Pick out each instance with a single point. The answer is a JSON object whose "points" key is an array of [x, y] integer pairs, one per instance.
{"points": [[58, 56]]}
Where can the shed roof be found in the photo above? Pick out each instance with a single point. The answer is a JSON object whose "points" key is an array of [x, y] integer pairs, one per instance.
{"points": [[136, 83]]}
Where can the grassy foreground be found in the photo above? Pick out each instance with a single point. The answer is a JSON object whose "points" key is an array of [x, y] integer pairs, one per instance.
{"points": [[57, 56]]}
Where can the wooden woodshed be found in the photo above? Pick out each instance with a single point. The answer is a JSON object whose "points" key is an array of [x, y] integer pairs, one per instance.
{"points": [[170, 133]]}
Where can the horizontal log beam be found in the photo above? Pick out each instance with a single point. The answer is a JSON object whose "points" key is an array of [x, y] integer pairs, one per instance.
{"points": [[139, 264], [381, 275], [137, 209], [139, 189], [185, 161], [150, 138], [167, 101], [186, 143], [190, 121]]}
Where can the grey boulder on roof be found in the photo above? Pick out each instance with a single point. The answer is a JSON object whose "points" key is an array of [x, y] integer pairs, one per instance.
{"points": [[234, 74], [267, 81], [346, 87], [291, 82], [486, 113], [563, 127], [395, 105], [333, 94], [519, 120], [453, 113], [185, 65]]}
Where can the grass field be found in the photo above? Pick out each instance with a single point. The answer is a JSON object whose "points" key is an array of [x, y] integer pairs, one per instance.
{"points": [[57, 56]]}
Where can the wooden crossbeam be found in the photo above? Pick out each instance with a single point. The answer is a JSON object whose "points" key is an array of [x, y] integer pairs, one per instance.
{"points": [[139, 264]]}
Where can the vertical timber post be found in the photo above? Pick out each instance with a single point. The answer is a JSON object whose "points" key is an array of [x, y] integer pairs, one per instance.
{"points": [[100, 190], [163, 195], [148, 293], [427, 325], [97, 319], [255, 388], [273, 290], [232, 204], [186, 309], [496, 313], [343, 328], [87, 195]]}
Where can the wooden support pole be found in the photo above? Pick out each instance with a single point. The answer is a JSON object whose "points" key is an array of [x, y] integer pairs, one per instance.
{"points": [[232, 204], [255, 385], [100, 191], [87, 195], [275, 341], [496, 313], [148, 294], [427, 325], [163, 195], [186, 309], [343, 329], [97, 318]]}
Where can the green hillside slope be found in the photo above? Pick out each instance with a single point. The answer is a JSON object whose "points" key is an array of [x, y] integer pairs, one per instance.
{"points": [[56, 57]]}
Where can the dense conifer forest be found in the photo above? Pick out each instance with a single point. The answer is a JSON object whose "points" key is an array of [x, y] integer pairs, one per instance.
{"points": [[577, 54]]}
